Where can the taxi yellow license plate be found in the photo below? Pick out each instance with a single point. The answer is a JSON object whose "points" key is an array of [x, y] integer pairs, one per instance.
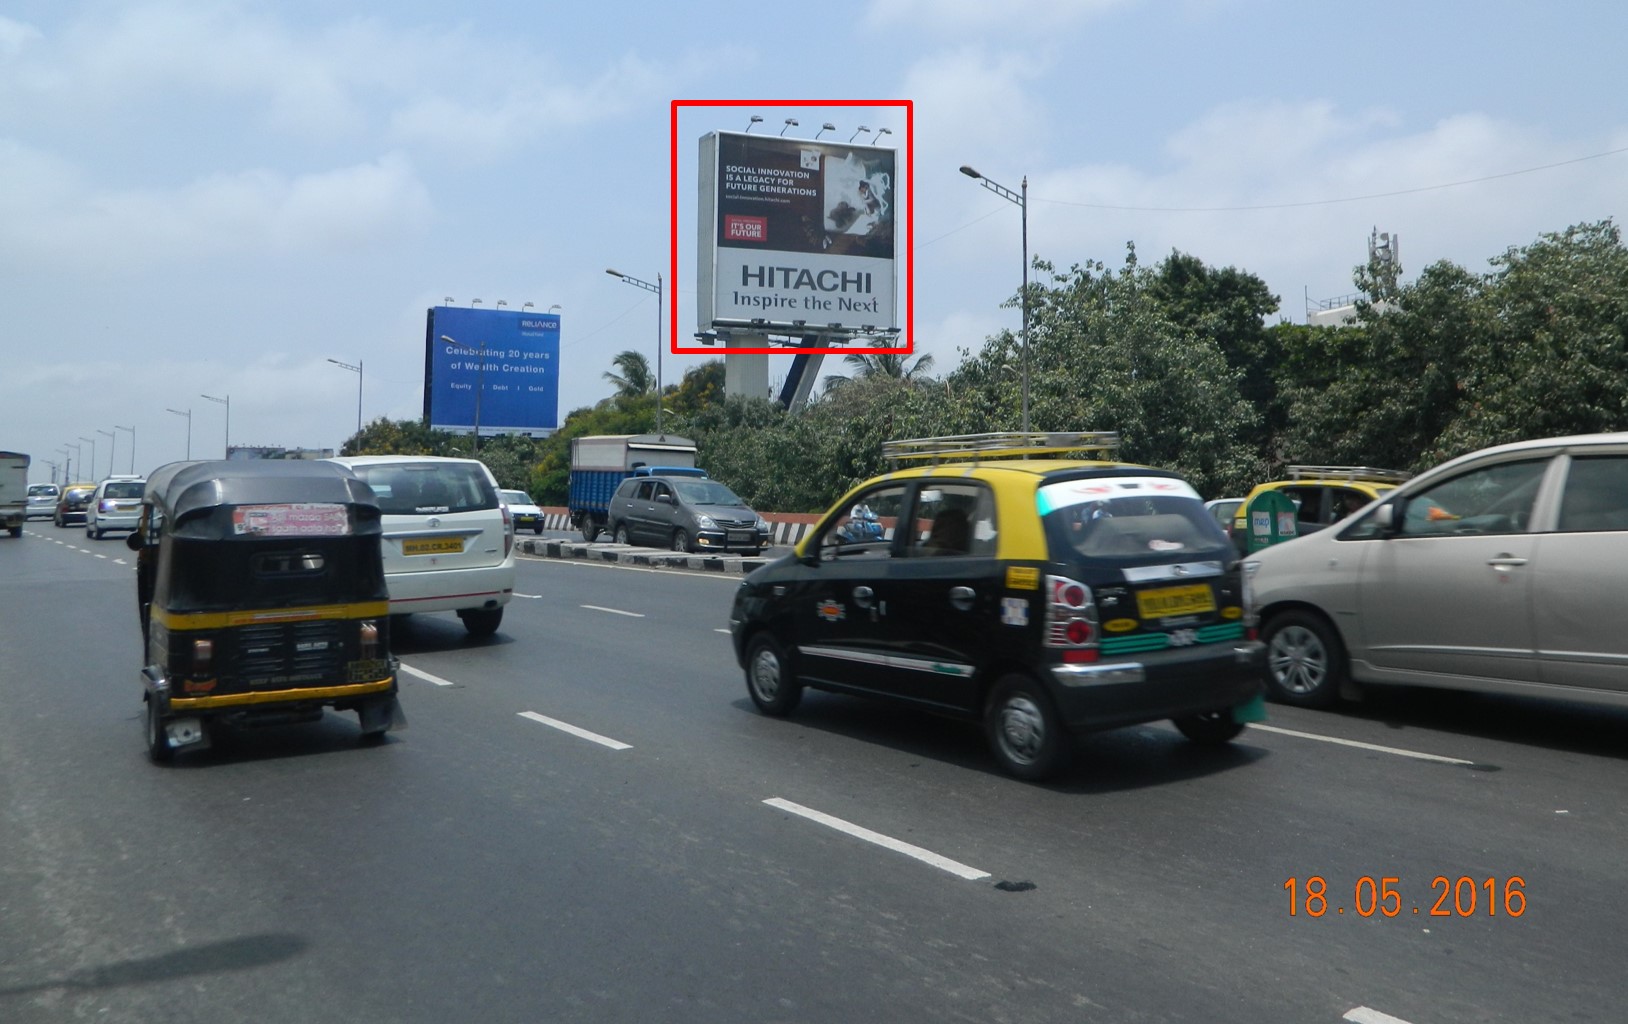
{"points": [[1164, 602], [433, 546]]}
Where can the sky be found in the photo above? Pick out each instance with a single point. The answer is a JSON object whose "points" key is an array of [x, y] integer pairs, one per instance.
{"points": [[218, 198]]}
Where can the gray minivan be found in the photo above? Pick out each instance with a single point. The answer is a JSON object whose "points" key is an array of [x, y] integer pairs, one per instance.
{"points": [[685, 513]]}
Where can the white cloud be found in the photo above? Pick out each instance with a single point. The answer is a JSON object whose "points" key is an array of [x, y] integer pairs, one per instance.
{"points": [[52, 216], [1019, 16]]}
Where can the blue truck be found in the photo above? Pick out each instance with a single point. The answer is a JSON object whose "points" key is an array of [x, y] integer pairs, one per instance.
{"points": [[600, 463]]}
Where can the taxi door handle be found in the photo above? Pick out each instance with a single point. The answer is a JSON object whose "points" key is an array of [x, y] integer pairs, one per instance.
{"points": [[864, 597], [961, 598]]}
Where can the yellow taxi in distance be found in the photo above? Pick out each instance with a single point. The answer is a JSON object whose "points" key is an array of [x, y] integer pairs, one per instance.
{"points": [[1323, 494], [1043, 598]]}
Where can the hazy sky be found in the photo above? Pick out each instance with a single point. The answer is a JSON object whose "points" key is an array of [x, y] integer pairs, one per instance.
{"points": [[217, 198]]}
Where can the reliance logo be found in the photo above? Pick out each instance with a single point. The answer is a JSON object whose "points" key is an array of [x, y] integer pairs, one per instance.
{"points": [[745, 229]]}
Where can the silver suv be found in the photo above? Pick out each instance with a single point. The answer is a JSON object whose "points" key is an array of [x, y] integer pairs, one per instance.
{"points": [[448, 538], [1499, 571]]}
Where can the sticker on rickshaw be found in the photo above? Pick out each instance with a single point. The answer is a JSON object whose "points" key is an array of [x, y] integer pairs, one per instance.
{"points": [[292, 520]]}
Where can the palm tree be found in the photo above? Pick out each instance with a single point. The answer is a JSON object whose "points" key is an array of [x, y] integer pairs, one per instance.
{"points": [[882, 364], [635, 378]]}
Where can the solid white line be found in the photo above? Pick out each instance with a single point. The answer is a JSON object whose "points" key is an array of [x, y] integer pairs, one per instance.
{"points": [[1364, 1015], [573, 730], [1364, 746], [420, 673], [888, 842], [532, 596], [613, 611]]}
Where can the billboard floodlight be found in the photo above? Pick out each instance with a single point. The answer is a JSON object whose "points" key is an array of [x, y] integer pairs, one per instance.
{"points": [[791, 122], [826, 127], [755, 119], [856, 134]]}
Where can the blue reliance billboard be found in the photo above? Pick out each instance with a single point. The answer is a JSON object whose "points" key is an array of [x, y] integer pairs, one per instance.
{"points": [[493, 367]]}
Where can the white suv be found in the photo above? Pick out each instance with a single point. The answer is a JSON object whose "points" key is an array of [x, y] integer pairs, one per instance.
{"points": [[448, 538]]}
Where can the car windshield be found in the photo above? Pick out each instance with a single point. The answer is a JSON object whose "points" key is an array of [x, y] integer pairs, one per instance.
{"points": [[517, 498], [130, 489], [79, 493], [425, 488], [1131, 518], [705, 492], [42, 490]]}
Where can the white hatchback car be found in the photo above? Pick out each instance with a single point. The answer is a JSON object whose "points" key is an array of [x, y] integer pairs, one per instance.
{"points": [[116, 505], [1499, 571], [448, 538]]}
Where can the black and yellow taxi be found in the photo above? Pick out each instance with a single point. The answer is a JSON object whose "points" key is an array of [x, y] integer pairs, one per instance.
{"points": [[1322, 495], [1044, 597]]}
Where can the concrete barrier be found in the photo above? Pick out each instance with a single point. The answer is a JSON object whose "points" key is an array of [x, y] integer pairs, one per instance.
{"points": [[788, 527]]}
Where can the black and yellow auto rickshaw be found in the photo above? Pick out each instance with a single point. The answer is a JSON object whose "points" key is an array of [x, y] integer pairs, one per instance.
{"points": [[262, 598]]}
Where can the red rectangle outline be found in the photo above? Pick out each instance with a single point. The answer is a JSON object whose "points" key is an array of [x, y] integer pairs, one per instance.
{"points": [[909, 347]]}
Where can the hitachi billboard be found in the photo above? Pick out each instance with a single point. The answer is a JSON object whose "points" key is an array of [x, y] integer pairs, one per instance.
{"points": [[796, 233]]}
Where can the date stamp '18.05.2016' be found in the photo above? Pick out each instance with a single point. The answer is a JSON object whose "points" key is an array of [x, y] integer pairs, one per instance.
{"points": [[1384, 896]]}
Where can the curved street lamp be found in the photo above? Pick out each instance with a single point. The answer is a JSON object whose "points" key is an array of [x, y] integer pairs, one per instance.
{"points": [[132, 445], [92, 442], [357, 369], [1022, 201], [647, 286], [188, 415], [226, 453]]}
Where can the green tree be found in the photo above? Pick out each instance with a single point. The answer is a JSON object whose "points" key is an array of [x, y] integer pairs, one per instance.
{"points": [[894, 365], [635, 377]]}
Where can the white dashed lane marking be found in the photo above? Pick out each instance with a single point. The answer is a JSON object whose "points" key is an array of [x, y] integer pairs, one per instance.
{"points": [[594, 737], [1398, 751], [886, 842], [421, 674], [613, 611], [1365, 1015]]}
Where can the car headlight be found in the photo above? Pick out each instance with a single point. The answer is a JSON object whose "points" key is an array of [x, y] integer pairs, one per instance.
{"points": [[763, 525], [705, 522]]}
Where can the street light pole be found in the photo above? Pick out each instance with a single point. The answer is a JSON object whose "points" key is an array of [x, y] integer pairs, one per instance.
{"points": [[67, 463], [1022, 201], [113, 443], [647, 286], [357, 369], [132, 446], [92, 442], [188, 415], [227, 401]]}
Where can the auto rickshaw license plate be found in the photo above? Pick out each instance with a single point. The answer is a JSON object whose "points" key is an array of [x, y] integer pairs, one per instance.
{"points": [[1164, 602], [432, 546]]}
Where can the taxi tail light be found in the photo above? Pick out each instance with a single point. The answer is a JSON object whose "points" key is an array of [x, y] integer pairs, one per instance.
{"points": [[203, 657], [1071, 618], [508, 530], [104, 505], [370, 639]]}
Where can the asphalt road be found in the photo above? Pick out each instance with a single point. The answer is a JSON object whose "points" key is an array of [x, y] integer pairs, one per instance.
{"points": [[587, 821]]}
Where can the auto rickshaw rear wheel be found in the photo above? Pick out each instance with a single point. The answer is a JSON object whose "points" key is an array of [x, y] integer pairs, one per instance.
{"points": [[158, 740]]}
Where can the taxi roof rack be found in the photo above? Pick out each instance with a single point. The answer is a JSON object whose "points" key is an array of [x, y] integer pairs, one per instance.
{"points": [[1000, 445], [1394, 476]]}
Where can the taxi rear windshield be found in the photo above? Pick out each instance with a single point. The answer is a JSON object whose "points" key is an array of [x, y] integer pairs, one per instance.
{"points": [[1131, 520], [428, 488]]}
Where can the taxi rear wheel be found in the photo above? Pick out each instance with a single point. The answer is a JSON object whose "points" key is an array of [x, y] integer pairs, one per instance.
{"points": [[1025, 731], [158, 741], [770, 679], [1305, 661], [1210, 729]]}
